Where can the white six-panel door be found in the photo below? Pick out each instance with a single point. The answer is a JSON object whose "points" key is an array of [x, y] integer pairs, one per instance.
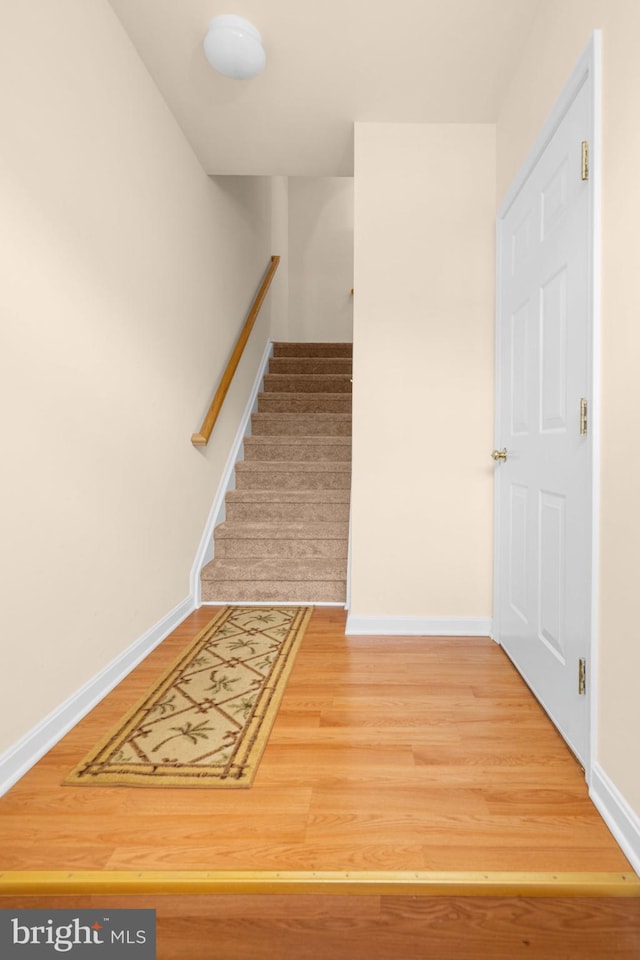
{"points": [[544, 489]]}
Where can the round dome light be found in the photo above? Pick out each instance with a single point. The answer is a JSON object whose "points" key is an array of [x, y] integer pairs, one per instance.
{"points": [[234, 48]]}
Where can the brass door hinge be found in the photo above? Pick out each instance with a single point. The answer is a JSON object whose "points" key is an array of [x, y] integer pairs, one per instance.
{"points": [[582, 676], [585, 159], [583, 416]]}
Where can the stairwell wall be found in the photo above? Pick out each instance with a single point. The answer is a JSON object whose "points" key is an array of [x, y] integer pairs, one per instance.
{"points": [[423, 375], [126, 275], [320, 258], [279, 295]]}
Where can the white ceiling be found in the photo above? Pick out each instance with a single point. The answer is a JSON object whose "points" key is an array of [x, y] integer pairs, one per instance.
{"points": [[329, 63]]}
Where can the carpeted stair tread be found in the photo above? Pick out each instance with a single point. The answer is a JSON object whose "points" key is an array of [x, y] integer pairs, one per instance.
{"points": [[281, 531], [288, 505], [288, 496], [296, 548], [307, 383], [315, 349], [288, 402], [284, 510], [301, 425], [287, 541], [297, 448], [311, 365], [275, 570], [274, 591], [292, 475], [292, 466]]}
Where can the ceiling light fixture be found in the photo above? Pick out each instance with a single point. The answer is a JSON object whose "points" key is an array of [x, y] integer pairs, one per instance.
{"points": [[234, 48]]}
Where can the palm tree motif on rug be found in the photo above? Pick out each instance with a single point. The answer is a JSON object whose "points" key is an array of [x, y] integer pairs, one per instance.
{"points": [[207, 720]]}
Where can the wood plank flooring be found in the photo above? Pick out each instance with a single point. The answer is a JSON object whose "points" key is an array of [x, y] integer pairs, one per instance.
{"points": [[388, 754], [382, 928]]}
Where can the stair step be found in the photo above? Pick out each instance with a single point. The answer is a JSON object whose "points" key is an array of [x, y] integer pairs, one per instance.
{"points": [[296, 349], [279, 591], [301, 425], [304, 403], [310, 365], [297, 550], [286, 541], [307, 383], [280, 531], [292, 475], [285, 536], [287, 505], [274, 571], [297, 448]]}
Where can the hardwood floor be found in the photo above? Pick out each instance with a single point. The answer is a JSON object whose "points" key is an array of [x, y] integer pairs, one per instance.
{"points": [[382, 928], [388, 754]]}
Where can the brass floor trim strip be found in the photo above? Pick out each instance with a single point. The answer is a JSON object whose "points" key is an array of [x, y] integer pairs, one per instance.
{"points": [[372, 883]]}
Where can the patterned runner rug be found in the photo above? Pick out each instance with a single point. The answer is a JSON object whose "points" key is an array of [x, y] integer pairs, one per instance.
{"points": [[207, 720]]}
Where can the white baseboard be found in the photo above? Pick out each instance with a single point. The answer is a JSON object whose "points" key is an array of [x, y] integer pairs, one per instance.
{"points": [[204, 553], [15, 761], [418, 626], [623, 822]]}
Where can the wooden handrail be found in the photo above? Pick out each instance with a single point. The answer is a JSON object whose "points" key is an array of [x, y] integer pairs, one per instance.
{"points": [[201, 438]]}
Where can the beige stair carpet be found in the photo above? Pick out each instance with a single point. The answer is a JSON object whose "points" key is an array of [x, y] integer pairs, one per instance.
{"points": [[284, 539]]}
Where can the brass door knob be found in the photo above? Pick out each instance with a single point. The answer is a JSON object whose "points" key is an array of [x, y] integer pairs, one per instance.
{"points": [[499, 454]]}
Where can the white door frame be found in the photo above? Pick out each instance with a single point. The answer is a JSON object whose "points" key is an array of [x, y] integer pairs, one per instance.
{"points": [[588, 70]]}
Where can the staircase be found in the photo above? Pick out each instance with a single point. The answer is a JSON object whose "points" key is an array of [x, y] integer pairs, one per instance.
{"points": [[284, 539]]}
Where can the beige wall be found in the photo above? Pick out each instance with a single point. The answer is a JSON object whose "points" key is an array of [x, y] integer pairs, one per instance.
{"points": [[125, 274], [559, 35], [279, 298], [423, 368], [320, 258]]}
